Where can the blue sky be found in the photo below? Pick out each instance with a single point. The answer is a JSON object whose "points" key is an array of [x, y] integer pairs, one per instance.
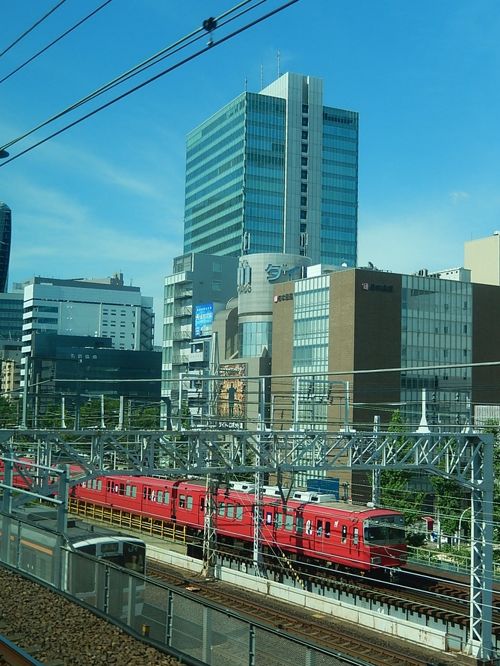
{"points": [[107, 195]]}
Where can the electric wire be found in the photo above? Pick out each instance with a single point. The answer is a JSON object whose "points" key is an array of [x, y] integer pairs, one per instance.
{"points": [[55, 41], [152, 60], [37, 23], [178, 46]]}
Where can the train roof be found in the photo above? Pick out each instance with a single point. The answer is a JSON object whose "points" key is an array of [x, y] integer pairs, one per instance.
{"points": [[294, 498], [76, 532]]}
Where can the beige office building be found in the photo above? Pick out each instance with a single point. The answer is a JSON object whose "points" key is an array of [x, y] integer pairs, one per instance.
{"points": [[482, 257]]}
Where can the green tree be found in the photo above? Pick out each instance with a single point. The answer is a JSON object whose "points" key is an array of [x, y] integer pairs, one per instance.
{"points": [[449, 502], [8, 413], [396, 491]]}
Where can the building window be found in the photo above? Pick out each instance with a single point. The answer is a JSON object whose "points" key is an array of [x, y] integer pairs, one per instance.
{"points": [[303, 187], [305, 108], [303, 215], [304, 147], [305, 135], [216, 285], [303, 174], [303, 161], [303, 201], [305, 122]]}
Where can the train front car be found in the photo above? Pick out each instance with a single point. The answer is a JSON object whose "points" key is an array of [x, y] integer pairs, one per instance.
{"points": [[384, 538]]}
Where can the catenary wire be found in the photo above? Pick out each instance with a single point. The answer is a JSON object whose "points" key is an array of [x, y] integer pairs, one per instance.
{"points": [[26, 32], [177, 46], [209, 47], [58, 39]]}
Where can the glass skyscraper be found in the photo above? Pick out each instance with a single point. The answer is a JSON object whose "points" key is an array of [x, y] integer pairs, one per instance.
{"points": [[5, 238], [275, 171]]}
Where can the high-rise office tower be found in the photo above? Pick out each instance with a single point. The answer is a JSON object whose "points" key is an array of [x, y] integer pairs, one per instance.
{"points": [[5, 236], [275, 171]]}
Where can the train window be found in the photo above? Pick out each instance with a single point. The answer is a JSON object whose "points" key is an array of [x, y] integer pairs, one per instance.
{"points": [[308, 527], [190, 502], [289, 522], [279, 520], [134, 491], [269, 518], [327, 529], [182, 501], [160, 496], [344, 534], [122, 489], [319, 528], [128, 490], [202, 504], [109, 486], [299, 525], [222, 509], [355, 537], [239, 513], [166, 497], [230, 511], [99, 484]]}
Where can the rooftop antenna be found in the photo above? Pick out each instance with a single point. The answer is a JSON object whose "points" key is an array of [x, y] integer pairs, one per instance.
{"points": [[246, 84], [261, 77], [278, 59]]}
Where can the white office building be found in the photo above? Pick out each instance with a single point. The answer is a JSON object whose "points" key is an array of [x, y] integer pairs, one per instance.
{"points": [[88, 307]]}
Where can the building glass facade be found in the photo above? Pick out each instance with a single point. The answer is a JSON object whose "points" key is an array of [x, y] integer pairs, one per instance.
{"points": [[254, 337], [310, 348], [274, 171], [436, 329], [339, 202]]}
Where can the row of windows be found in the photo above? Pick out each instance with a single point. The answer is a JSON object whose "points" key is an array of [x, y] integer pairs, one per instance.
{"points": [[340, 116], [210, 176], [205, 231], [331, 130], [216, 158], [224, 509], [338, 195], [342, 143], [193, 217], [214, 189], [236, 107], [235, 125]]}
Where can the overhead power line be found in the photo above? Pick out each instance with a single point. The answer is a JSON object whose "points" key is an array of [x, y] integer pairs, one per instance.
{"points": [[211, 44], [58, 39], [170, 50], [26, 32]]}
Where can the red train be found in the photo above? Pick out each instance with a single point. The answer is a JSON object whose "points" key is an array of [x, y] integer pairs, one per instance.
{"points": [[309, 526]]}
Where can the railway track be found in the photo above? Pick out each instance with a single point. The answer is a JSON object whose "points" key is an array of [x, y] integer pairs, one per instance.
{"points": [[315, 628], [14, 655]]}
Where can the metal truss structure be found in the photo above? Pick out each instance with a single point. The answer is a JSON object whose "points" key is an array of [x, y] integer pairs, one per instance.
{"points": [[466, 457]]}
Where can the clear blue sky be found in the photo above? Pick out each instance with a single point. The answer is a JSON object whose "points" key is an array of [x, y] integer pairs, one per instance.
{"points": [[107, 195]]}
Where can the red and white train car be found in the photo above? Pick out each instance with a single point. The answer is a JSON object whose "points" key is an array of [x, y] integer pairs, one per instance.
{"points": [[308, 526]]}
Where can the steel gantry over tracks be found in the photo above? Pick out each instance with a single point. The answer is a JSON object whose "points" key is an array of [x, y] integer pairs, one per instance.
{"points": [[466, 458]]}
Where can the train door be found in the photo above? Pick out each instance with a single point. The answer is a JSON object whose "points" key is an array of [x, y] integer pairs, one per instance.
{"points": [[268, 526], [354, 545]]}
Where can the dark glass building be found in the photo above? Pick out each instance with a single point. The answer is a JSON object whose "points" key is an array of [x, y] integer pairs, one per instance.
{"points": [[5, 239]]}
